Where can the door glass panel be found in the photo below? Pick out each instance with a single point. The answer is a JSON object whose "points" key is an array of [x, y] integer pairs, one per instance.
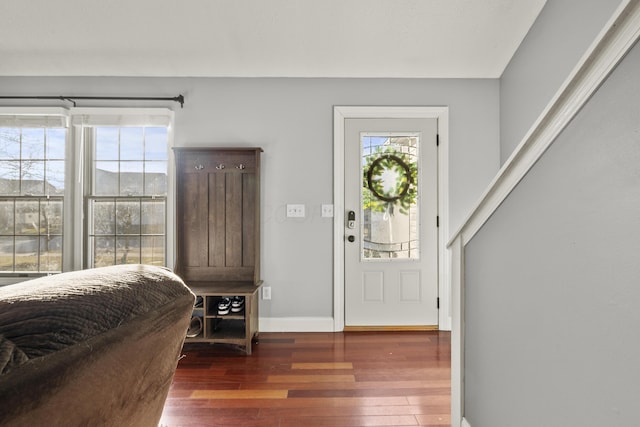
{"points": [[389, 196]]}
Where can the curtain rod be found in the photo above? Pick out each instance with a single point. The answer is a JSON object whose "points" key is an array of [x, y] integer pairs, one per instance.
{"points": [[73, 99]]}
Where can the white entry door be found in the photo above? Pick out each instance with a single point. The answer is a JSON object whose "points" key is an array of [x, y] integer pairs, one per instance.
{"points": [[391, 235]]}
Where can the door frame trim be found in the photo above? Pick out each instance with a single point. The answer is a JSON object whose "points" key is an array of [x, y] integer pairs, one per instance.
{"points": [[441, 114]]}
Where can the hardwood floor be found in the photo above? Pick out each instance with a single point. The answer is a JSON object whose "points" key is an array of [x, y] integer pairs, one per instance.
{"points": [[315, 379]]}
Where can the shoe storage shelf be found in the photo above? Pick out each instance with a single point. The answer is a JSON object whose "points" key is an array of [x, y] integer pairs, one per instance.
{"points": [[239, 327], [218, 238]]}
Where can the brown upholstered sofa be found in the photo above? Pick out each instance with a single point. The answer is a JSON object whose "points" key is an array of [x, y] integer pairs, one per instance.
{"points": [[95, 347]]}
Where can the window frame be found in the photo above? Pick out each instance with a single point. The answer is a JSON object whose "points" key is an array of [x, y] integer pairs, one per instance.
{"points": [[36, 118], [79, 121], [92, 196]]}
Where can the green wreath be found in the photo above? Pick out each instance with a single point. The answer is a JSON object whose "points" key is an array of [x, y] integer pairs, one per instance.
{"points": [[403, 194]]}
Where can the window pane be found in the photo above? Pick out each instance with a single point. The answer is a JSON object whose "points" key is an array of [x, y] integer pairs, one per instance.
{"points": [[6, 254], [55, 177], [27, 217], [32, 144], [155, 178], [131, 144], [128, 250], [131, 178], [153, 250], [26, 250], [106, 179], [103, 251], [127, 217], [9, 144], [51, 217], [153, 217], [103, 214], [9, 177], [6, 217], [56, 143], [155, 144], [106, 143], [390, 197], [51, 253], [33, 177]]}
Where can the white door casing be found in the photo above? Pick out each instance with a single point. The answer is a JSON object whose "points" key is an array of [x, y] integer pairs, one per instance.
{"points": [[391, 250], [341, 114]]}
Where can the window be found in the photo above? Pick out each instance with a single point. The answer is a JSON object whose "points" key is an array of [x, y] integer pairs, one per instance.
{"points": [[87, 195], [390, 196], [32, 177], [128, 196]]}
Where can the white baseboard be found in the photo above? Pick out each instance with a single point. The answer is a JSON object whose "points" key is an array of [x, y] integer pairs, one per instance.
{"points": [[296, 324], [305, 324], [465, 423]]}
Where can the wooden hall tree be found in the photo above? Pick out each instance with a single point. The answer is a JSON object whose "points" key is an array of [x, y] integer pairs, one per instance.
{"points": [[218, 237]]}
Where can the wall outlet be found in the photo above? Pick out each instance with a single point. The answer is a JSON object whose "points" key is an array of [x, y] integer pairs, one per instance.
{"points": [[295, 211], [266, 292], [327, 211]]}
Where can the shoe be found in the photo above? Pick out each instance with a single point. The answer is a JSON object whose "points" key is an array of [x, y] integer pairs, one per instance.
{"points": [[224, 306], [237, 304], [195, 327]]}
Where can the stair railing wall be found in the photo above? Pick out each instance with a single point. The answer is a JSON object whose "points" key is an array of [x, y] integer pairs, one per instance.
{"points": [[606, 52]]}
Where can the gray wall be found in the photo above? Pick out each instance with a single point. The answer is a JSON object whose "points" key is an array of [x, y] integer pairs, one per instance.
{"points": [[552, 296], [558, 39], [292, 119]]}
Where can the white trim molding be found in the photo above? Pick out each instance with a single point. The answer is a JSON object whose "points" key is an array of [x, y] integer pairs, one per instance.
{"points": [[296, 324], [457, 330], [612, 44], [340, 114]]}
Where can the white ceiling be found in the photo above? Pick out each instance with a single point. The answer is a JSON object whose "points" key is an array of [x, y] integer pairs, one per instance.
{"points": [[262, 38]]}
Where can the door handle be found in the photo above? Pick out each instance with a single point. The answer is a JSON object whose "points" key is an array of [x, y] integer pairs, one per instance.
{"points": [[351, 238]]}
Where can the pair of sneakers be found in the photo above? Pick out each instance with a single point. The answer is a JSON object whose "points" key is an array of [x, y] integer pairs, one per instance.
{"points": [[233, 305]]}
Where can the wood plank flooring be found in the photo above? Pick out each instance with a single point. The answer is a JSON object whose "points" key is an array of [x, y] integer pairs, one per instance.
{"points": [[315, 379]]}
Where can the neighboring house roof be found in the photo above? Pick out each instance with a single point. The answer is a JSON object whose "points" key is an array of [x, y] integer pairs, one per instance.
{"points": [[125, 183], [111, 183], [36, 187]]}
